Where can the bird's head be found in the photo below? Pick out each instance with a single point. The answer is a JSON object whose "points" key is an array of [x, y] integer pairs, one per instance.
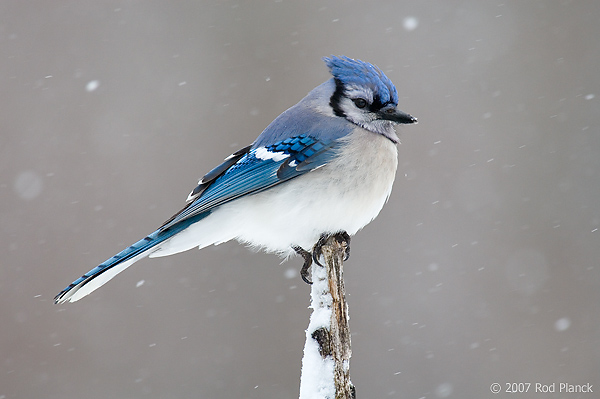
{"points": [[365, 96]]}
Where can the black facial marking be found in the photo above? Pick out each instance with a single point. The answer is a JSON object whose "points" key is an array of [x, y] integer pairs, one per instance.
{"points": [[377, 104], [336, 99]]}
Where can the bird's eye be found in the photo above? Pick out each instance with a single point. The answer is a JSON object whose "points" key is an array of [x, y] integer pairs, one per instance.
{"points": [[360, 102]]}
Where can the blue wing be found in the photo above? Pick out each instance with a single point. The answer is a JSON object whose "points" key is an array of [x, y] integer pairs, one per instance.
{"points": [[254, 169], [289, 147], [248, 171]]}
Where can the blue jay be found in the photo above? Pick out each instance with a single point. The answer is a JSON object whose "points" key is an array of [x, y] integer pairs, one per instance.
{"points": [[325, 167]]}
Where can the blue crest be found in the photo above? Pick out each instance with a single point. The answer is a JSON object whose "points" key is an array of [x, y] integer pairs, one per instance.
{"points": [[356, 72]]}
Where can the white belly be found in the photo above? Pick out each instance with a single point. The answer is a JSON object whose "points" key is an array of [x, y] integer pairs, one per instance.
{"points": [[341, 196]]}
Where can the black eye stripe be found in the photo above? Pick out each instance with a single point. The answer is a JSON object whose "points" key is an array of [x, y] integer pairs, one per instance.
{"points": [[377, 105]]}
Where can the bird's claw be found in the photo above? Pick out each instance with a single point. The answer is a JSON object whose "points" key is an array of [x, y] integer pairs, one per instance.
{"points": [[305, 271], [318, 249], [341, 237]]}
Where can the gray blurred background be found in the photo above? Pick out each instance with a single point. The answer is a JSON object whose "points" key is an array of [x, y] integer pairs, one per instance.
{"points": [[482, 267]]}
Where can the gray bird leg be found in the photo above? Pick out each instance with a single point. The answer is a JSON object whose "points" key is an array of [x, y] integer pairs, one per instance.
{"points": [[305, 271]]}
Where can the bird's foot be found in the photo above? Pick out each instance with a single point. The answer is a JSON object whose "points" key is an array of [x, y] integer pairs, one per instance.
{"points": [[341, 237], [305, 271]]}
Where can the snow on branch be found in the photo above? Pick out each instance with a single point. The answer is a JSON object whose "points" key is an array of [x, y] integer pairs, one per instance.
{"points": [[326, 361]]}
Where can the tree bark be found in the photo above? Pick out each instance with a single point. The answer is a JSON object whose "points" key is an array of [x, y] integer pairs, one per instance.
{"points": [[326, 362]]}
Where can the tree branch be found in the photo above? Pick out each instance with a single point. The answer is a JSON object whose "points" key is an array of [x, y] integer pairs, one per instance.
{"points": [[326, 361]]}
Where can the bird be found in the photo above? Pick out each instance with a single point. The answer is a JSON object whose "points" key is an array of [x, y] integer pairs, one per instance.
{"points": [[324, 167]]}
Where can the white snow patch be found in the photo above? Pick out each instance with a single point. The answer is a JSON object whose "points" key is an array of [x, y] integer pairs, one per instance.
{"points": [[28, 185], [590, 96], [140, 283], [92, 85], [317, 379], [290, 273], [562, 324], [444, 390], [265, 155], [410, 23]]}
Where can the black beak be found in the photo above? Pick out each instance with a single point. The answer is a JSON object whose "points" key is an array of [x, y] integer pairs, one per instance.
{"points": [[395, 115]]}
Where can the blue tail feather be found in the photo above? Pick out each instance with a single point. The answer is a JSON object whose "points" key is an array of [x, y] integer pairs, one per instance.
{"points": [[123, 259]]}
